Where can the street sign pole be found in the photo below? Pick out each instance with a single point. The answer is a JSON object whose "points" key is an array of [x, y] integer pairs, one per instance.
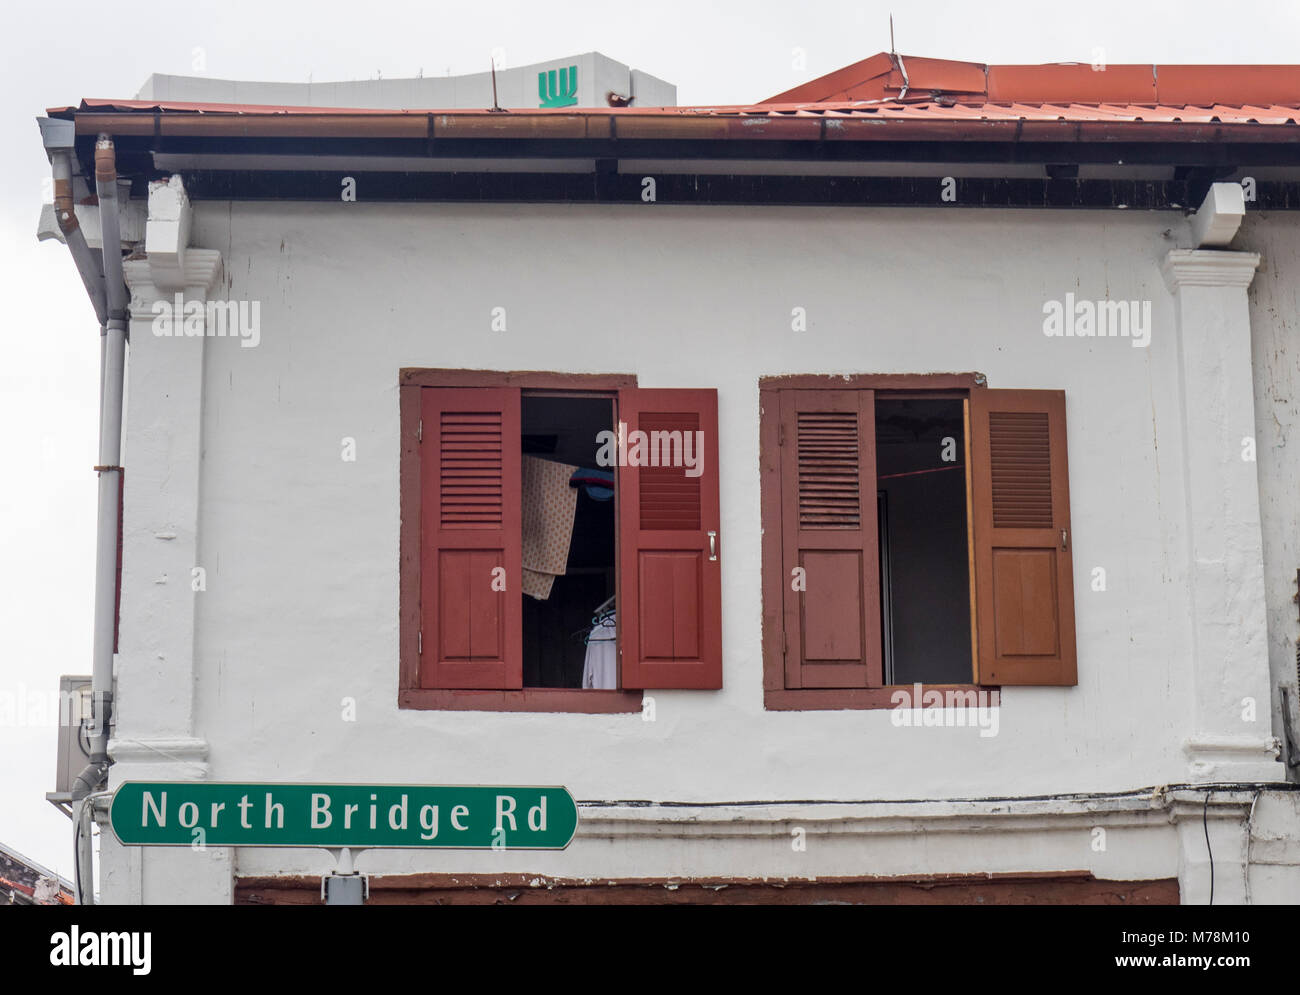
{"points": [[344, 886]]}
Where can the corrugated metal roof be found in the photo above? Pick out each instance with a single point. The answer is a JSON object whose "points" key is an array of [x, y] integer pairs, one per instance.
{"points": [[1018, 111], [889, 76]]}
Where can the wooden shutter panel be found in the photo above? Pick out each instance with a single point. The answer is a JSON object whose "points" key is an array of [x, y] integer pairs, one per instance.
{"points": [[1024, 582], [670, 584], [827, 441], [471, 629]]}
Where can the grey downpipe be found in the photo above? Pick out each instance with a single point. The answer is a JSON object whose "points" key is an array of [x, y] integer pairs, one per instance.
{"points": [[95, 775], [109, 468]]}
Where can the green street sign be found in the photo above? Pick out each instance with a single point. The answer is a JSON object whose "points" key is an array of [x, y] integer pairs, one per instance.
{"points": [[205, 813]]}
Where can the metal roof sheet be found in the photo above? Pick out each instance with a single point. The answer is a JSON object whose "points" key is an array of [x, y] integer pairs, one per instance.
{"points": [[893, 76]]}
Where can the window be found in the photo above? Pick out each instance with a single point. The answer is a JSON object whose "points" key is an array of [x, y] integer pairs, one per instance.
{"points": [[915, 531], [488, 621]]}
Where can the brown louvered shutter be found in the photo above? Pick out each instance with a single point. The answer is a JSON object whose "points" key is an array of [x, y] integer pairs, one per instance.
{"points": [[1024, 582], [830, 558], [670, 580], [471, 543]]}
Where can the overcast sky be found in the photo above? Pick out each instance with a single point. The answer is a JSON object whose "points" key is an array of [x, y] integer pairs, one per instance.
{"points": [[715, 53]]}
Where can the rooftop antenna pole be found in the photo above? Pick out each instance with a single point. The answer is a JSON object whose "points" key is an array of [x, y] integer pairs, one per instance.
{"points": [[496, 108], [898, 61]]}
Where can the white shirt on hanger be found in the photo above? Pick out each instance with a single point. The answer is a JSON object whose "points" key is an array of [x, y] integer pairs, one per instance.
{"points": [[600, 669]]}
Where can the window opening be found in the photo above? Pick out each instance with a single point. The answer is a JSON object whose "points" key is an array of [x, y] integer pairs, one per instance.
{"points": [[924, 561], [569, 528]]}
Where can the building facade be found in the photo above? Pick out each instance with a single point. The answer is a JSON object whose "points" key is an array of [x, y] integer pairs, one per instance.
{"points": [[967, 570]]}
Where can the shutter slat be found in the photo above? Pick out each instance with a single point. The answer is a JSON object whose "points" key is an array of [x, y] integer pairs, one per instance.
{"points": [[1020, 462], [827, 462], [471, 447], [669, 500]]}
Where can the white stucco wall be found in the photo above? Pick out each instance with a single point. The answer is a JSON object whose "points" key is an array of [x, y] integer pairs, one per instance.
{"points": [[300, 547]]}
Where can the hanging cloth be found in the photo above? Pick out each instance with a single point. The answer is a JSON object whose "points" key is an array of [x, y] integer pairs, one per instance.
{"points": [[548, 510], [599, 484]]}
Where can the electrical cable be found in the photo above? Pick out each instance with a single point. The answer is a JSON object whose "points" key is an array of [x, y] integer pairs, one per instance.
{"points": [[1250, 834], [915, 473], [1205, 824], [87, 811], [76, 857]]}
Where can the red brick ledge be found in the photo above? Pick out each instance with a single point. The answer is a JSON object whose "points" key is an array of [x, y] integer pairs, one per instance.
{"points": [[1030, 888]]}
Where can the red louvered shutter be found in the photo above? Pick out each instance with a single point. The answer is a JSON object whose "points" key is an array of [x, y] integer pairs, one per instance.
{"points": [[670, 587], [1024, 580], [830, 557], [471, 555]]}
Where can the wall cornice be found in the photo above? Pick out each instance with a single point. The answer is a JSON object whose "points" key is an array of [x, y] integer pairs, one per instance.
{"points": [[1208, 268]]}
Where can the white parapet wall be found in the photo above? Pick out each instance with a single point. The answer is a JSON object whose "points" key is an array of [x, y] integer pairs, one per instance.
{"points": [[517, 88]]}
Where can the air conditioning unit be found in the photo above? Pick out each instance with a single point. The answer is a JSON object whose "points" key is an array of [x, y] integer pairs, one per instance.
{"points": [[74, 739]]}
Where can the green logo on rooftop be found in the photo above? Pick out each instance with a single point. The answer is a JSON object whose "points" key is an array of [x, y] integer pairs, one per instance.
{"points": [[558, 87]]}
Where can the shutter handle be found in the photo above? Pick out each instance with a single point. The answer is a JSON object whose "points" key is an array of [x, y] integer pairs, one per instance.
{"points": [[1063, 537], [713, 546]]}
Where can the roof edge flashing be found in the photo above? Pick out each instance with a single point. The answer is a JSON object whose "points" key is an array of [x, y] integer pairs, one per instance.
{"points": [[57, 133]]}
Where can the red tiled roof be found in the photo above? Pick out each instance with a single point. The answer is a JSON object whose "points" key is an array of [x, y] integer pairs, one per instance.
{"points": [[886, 76], [914, 108]]}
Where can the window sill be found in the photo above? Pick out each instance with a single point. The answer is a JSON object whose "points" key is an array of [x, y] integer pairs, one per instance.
{"points": [[822, 699], [591, 702]]}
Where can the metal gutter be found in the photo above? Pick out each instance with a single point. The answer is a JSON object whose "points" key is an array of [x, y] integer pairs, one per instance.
{"points": [[1004, 123], [65, 213]]}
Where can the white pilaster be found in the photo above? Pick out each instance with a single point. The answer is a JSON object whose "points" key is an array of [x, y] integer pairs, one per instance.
{"points": [[154, 736], [1231, 737]]}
